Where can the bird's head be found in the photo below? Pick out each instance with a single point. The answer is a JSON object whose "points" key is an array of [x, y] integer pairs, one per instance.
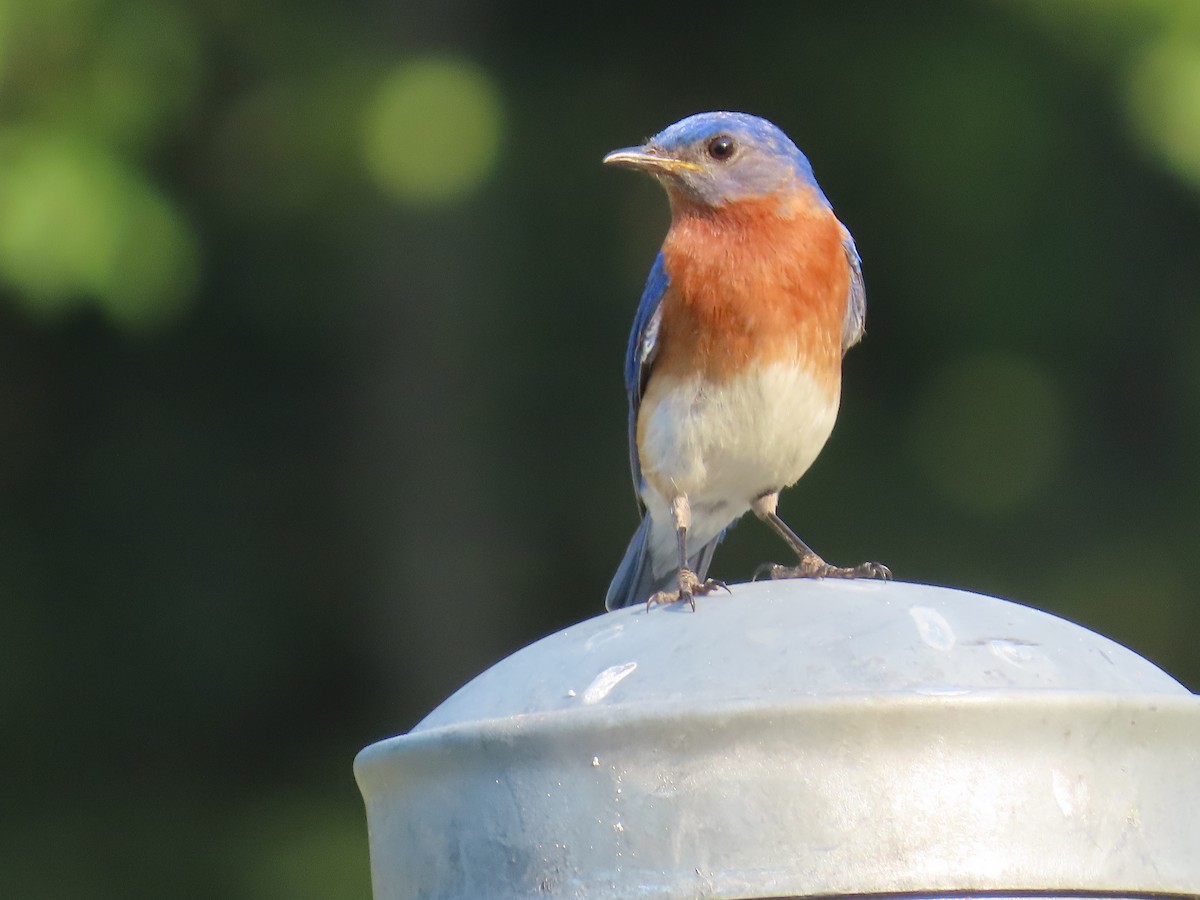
{"points": [[717, 158]]}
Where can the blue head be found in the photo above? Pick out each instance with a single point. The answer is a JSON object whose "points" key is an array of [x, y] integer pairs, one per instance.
{"points": [[716, 158]]}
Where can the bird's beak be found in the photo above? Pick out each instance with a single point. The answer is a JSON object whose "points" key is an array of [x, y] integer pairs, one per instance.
{"points": [[649, 158]]}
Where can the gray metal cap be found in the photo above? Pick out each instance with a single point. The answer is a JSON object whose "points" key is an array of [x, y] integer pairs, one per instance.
{"points": [[797, 739]]}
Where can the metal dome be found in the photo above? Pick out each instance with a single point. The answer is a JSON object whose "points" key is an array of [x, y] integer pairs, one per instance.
{"points": [[797, 738]]}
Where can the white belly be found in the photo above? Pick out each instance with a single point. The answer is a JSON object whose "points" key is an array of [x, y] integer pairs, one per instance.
{"points": [[723, 445]]}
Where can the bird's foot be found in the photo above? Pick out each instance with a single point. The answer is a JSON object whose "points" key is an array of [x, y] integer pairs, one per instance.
{"points": [[812, 566], [690, 587]]}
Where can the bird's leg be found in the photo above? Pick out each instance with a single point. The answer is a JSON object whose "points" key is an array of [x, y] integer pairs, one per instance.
{"points": [[810, 565], [690, 585]]}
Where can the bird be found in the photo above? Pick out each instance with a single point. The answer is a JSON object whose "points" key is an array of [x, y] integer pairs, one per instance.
{"points": [[733, 366]]}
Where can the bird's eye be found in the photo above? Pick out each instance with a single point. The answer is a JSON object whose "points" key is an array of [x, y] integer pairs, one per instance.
{"points": [[720, 148]]}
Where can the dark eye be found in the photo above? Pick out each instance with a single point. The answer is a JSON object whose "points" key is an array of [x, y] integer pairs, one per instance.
{"points": [[721, 147]]}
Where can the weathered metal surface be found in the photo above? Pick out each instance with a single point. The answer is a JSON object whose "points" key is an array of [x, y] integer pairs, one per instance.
{"points": [[797, 739]]}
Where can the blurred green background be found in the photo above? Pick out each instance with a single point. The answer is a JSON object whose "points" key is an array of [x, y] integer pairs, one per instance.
{"points": [[312, 318]]}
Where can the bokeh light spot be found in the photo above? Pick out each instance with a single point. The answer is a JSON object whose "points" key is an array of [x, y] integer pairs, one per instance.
{"points": [[76, 225], [433, 131], [988, 433], [151, 274], [1163, 98]]}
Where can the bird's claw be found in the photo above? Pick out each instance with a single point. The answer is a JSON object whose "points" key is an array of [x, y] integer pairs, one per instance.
{"points": [[815, 567], [690, 587], [872, 570]]}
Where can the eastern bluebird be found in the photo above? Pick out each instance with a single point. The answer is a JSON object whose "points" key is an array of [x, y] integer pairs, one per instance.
{"points": [[733, 368]]}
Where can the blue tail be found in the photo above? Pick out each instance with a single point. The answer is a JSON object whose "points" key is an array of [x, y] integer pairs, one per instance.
{"points": [[635, 581]]}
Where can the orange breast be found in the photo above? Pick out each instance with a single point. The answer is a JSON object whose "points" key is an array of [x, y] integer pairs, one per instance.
{"points": [[749, 286]]}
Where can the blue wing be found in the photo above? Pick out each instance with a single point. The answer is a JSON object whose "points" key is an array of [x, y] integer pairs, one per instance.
{"points": [[856, 303], [639, 355]]}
